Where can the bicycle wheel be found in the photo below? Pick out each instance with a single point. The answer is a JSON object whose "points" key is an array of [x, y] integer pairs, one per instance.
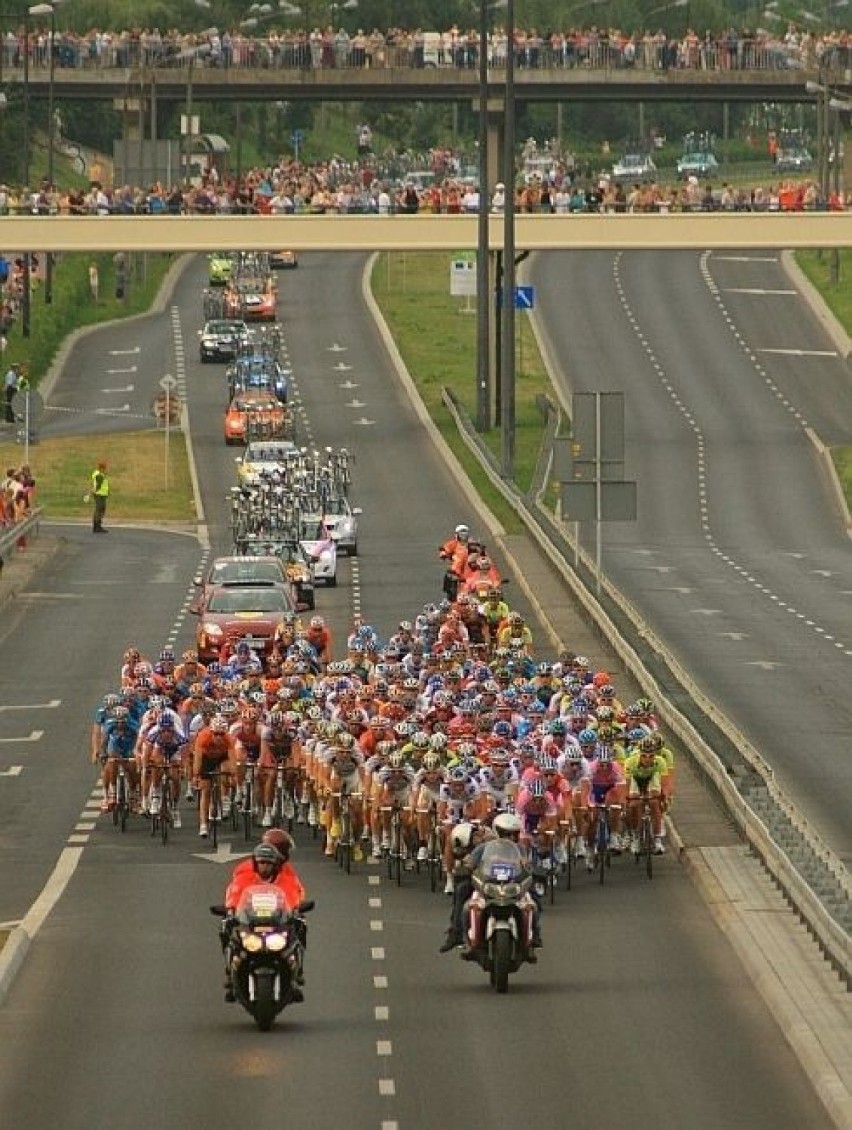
{"points": [[396, 840], [213, 814], [248, 801], [570, 843], [165, 815], [602, 847], [648, 846], [434, 862]]}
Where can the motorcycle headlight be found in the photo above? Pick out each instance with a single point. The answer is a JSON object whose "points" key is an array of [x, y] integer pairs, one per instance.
{"points": [[251, 942], [501, 890], [275, 942]]}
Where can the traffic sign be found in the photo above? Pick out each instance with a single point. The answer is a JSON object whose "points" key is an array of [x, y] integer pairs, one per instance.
{"points": [[168, 382], [524, 297]]}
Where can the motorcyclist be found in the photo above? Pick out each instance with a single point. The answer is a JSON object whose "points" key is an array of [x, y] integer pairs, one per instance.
{"points": [[269, 863], [507, 827], [455, 552]]}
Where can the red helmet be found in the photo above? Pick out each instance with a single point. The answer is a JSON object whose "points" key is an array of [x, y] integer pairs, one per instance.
{"points": [[282, 841]]}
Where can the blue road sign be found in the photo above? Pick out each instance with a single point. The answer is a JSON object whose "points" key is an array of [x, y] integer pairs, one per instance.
{"points": [[524, 297]]}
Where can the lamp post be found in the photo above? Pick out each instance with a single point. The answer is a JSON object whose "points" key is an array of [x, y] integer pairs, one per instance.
{"points": [[507, 344], [483, 296], [191, 55], [49, 10], [25, 297]]}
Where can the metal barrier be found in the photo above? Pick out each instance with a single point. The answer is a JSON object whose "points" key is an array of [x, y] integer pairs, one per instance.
{"points": [[9, 535]]}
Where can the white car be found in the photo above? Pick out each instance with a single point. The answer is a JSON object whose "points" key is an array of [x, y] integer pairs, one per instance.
{"points": [[317, 543], [264, 455], [633, 167], [341, 520]]}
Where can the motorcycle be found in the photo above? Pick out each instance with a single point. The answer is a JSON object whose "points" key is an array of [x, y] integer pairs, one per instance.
{"points": [[501, 916], [264, 946]]}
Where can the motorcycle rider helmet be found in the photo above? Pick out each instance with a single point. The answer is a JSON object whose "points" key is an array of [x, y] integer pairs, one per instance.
{"points": [[279, 839], [507, 826], [266, 855], [462, 531]]}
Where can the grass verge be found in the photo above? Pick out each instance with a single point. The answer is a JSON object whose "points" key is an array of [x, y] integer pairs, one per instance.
{"points": [[436, 335], [819, 267], [137, 469]]}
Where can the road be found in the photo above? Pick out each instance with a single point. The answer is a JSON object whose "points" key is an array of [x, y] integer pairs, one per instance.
{"points": [[738, 560], [117, 1014]]}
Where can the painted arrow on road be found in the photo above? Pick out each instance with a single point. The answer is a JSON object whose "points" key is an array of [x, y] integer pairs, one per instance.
{"points": [[35, 735], [364, 421], [337, 348], [348, 384], [340, 367], [356, 404], [737, 636], [52, 705], [765, 664], [115, 372], [683, 589], [12, 771], [222, 854], [707, 611]]}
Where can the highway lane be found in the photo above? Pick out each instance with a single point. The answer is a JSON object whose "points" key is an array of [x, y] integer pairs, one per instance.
{"points": [[635, 973], [738, 559]]}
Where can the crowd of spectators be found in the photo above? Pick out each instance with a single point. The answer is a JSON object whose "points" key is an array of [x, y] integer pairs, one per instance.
{"points": [[795, 47]]}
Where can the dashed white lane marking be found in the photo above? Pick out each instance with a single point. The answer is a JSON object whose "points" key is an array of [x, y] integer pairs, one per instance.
{"points": [[374, 903], [389, 1126], [380, 981], [376, 925], [701, 456], [374, 880], [377, 953], [387, 1087], [381, 1012], [384, 1047]]}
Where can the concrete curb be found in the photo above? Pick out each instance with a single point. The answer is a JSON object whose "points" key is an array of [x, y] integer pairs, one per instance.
{"points": [[824, 454], [814, 299], [12, 958]]}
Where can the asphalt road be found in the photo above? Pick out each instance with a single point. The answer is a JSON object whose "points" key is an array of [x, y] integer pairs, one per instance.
{"points": [[638, 1011], [738, 560]]}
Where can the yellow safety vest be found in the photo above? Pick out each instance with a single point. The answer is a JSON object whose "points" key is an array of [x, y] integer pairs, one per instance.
{"points": [[103, 489]]}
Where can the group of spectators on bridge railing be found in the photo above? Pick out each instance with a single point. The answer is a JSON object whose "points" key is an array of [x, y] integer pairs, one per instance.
{"points": [[334, 47]]}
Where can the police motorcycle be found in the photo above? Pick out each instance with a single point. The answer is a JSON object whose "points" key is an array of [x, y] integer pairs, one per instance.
{"points": [[264, 947], [501, 930]]}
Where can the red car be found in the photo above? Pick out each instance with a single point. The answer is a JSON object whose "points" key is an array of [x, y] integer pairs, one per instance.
{"points": [[232, 613], [254, 414]]}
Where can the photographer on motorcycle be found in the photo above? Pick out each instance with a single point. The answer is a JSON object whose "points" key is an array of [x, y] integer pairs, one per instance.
{"points": [[269, 863], [508, 827]]}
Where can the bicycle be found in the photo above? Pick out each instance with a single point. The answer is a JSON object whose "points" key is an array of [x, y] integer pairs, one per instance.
{"points": [[544, 868], [214, 806], [646, 838], [121, 808], [248, 802], [284, 798], [345, 843], [570, 842], [433, 849], [161, 820], [602, 853], [393, 854]]}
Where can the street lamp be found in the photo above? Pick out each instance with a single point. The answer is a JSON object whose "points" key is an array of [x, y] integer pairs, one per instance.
{"points": [[507, 344], [49, 10], [190, 55]]}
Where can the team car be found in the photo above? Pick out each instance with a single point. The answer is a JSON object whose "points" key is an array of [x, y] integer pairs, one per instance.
{"points": [[263, 563], [264, 457], [283, 260], [633, 167], [222, 339], [341, 521], [234, 613], [255, 300], [257, 371], [220, 267], [698, 165], [255, 413], [317, 542]]}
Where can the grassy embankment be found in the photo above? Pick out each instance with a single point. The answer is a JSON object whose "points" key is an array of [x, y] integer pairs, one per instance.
{"points": [[838, 297]]}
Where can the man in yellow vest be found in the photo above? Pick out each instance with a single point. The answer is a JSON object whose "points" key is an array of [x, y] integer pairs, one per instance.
{"points": [[100, 493]]}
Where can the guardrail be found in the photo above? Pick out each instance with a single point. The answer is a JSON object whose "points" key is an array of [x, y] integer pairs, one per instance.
{"points": [[9, 535], [812, 876]]}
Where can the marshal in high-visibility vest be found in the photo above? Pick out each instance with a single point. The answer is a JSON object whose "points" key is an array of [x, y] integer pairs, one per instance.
{"points": [[100, 494]]}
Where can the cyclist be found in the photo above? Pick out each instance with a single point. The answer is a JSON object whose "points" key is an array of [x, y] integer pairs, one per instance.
{"points": [[278, 749], [395, 779], [603, 786], [214, 752], [346, 763], [163, 756], [246, 734], [459, 801], [645, 771], [426, 791], [119, 745]]}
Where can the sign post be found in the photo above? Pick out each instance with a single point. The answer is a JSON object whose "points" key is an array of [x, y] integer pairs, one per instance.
{"points": [[167, 384], [463, 278]]}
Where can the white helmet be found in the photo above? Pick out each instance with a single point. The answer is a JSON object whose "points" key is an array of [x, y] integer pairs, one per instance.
{"points": [[461, 837], [507, 824], [462, 530]]}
